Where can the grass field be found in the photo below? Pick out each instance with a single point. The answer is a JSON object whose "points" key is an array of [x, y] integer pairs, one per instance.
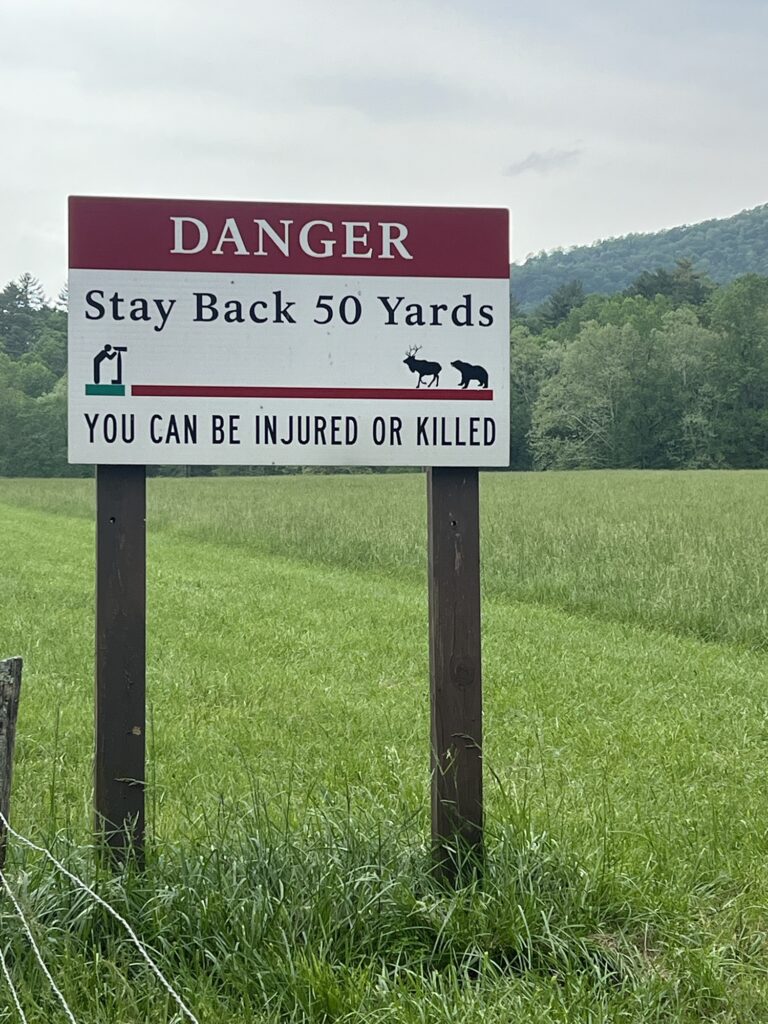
{"points": [[626, 679]]}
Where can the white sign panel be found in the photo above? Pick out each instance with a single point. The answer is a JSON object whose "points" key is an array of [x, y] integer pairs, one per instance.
{"points": [[287, 334]]}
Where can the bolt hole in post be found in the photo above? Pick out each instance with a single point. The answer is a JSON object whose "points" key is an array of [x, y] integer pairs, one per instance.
{"points": [[112, 520]]}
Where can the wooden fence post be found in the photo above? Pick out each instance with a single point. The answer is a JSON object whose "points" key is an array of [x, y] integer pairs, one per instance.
{"points": [[10, 690], [455, 671]]}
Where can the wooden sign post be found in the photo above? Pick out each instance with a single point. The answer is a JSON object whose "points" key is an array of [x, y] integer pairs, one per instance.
{"points": [[119, 772], [455, 671]]}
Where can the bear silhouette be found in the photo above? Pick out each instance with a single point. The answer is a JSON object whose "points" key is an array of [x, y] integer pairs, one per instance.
{"points": [[469, 372]]}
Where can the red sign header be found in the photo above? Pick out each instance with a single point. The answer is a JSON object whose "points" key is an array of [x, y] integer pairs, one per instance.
{"points": [[193, 235]]}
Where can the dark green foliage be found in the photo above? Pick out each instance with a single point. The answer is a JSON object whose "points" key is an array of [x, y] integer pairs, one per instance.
{"points": [[682, 285], [33, 399], [531, 361], [560, 303], [720, 249], [739, 370], [672, 373], [19, 323]]}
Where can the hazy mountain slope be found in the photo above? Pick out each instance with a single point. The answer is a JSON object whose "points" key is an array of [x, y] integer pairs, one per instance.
{"points": [[724, 249]]}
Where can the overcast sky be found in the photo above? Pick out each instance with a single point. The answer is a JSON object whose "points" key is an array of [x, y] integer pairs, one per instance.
{"points": [[586, 119]]}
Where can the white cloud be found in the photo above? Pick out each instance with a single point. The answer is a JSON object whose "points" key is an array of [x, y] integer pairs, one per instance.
{"points": [[543, 163]]}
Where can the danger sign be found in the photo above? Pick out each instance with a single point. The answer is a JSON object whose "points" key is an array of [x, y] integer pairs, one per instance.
{"points": [[287, 334]]}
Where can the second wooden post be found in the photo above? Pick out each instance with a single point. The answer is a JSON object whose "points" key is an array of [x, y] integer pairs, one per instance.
{"points": [[455, 671]]}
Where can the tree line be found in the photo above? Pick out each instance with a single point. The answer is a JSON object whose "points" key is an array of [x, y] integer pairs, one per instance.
{"points": [[33, 392], [670, 373]]}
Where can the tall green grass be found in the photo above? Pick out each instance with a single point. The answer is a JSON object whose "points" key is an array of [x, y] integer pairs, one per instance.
{"points": [[683, 551], [332, 919]]}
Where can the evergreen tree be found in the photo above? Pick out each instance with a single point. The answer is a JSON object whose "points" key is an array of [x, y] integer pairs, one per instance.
{"points": [[20, 301]]}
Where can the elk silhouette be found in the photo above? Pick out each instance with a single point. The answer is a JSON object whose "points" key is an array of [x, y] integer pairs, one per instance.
{"points": [[423, 367]]}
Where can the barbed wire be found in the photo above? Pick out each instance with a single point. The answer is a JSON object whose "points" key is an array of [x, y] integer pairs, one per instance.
{"points": [[36, 948], [12, 987], [110, 910]]}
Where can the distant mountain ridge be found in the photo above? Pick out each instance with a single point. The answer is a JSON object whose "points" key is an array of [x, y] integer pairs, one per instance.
{"points": [[723, 248]]}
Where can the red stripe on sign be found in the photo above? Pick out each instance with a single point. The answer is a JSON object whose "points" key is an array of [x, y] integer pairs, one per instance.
{"points": [[222, 391], [199, 236]]}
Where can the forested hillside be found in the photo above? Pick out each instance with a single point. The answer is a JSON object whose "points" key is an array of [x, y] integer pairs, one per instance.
{"points": [[672, 372], [721, 249]]}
